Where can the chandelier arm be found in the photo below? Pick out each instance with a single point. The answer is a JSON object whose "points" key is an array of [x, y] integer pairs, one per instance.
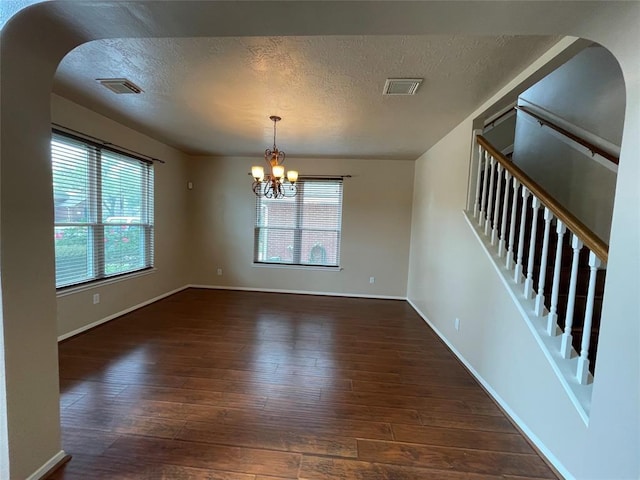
{"points": [[268, 191], [292, 190]]}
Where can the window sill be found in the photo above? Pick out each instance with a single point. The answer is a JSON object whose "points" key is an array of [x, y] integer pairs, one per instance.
{"points": [[64, 291], [297, 267]]}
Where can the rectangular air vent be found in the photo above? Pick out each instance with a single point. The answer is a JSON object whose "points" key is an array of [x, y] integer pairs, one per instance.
{"points": [[401, 86], [120, 85]]}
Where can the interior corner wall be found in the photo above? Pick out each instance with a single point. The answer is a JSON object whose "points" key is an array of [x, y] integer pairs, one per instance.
{"points": [[376, 224], [171, 268], [450, 276]]}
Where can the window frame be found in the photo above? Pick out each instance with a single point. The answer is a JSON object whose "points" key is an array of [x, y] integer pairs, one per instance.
{"points": [[298, 228], [96, 225]]}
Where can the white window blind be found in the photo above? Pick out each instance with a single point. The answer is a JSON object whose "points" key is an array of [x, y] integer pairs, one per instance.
{"points": [[301, 230], [103, 204]]}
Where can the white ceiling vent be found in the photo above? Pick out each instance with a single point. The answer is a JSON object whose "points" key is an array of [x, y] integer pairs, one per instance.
{"points": [[401, 86], [120, 85]]}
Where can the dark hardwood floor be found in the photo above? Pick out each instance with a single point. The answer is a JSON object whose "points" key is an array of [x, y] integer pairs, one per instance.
{"points": [[223, 385]]}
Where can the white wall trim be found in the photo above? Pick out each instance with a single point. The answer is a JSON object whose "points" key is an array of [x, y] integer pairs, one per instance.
{"points": [[119, 314], [48, 466], [505, 406], [301, 292]]}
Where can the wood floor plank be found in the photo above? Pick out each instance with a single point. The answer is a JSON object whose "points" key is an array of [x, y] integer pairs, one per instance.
{"points": [[205, 455], [109, 468], [343, 411], [224, 385], [85, 441], [323, 468], [459, 459], [314, 422], [471, 392], [464, 420], [185, 395], [259, 389], [272, 437], [450, 437], [439, 404]]}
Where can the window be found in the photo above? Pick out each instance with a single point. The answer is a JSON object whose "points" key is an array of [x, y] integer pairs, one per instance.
{"points": [[103, 202], [301, 230]]}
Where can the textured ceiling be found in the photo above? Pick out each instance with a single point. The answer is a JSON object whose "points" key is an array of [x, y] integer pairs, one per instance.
{"points": [[213, 96]]}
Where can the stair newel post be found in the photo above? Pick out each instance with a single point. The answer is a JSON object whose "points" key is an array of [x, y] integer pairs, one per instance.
{"points": [[528, 284], [496, 209], [583, 361], [492, 174], [483, 202], [476, 200], [512, 225], [567, 337], [505, 204], [548, 216], [517, 276], [552, 318]]}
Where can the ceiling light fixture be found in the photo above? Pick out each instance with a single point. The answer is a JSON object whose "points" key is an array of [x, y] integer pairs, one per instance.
{"points": [[274, 184]]}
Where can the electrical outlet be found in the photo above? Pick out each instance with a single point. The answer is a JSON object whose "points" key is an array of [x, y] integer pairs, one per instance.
{"points": [[219, 271], [456, 324], [96, 298], [372, 279]]}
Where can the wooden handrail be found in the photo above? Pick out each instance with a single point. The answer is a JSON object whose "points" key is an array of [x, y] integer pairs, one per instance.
{"points": [[588, 145], [584, 233]]}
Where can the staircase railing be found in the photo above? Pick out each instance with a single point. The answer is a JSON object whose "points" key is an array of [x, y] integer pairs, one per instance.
{"points": [[506, 211]]}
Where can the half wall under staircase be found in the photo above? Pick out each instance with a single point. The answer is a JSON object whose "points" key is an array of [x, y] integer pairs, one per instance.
{"points": [[551, 263]]}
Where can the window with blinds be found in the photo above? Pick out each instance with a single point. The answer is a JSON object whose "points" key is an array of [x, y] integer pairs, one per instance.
{"points": [[301, 230], [103, 202]]}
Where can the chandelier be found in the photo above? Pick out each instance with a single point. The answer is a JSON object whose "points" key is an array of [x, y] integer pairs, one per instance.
{"points": [[274, 184]]}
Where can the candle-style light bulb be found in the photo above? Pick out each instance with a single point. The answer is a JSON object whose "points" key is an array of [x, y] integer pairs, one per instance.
{"points": [[257, 173], [292, 176]]}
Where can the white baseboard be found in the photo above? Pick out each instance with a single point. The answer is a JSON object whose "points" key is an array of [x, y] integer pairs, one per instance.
{"points": [[505, 406], [48, 466], [119, 314], [300, 292]]}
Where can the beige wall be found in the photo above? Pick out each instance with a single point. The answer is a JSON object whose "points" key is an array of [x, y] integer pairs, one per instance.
{"points": [[76, 310], [376, 222]]}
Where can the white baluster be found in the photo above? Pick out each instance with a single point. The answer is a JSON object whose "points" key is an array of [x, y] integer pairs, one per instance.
{"points": [[476, 204], [583, 361], [483, 203], [492, 175], [496, 210], [552, 318], [512, 226], [567, 337], [505, 204], [517, 276], [548, 216], [528, 284]]}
